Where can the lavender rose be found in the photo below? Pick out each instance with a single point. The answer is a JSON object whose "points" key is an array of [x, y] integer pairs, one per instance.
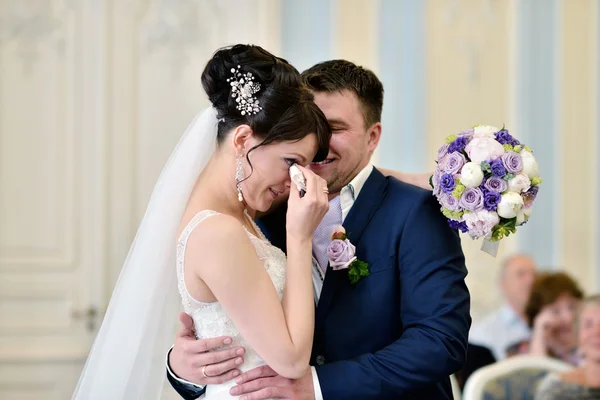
{"points": [[497, 168], [340, 254], [450, 202], [466, 134], [458, 145], [491, 200], [512, 162], [442, 151], [495, 184], [472, 199], [453, 163], [447, 183], [481, 223]]}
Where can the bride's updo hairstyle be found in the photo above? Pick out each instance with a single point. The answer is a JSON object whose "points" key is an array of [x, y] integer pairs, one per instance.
{"points": [[285, 111]]}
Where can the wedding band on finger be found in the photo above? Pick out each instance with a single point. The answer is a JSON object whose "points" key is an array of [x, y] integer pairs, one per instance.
{"points": [[325, 190], [204, 372]]}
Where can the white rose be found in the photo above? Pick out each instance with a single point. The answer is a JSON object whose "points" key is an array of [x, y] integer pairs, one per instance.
{"points": [[510, 204], [481, 223], [527, 212], [484, 149], [471, 175], [520, 183], [485, 131], [530, 166]]}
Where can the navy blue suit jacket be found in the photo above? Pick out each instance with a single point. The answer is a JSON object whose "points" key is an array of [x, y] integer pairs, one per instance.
{"points": [[400, 332]]}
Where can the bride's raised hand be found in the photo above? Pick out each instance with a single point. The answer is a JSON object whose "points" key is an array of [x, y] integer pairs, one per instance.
{"points": [[305, 213]]}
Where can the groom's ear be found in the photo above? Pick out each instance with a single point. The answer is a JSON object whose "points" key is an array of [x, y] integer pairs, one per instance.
{"points": [[243, 138], [374, 134]]}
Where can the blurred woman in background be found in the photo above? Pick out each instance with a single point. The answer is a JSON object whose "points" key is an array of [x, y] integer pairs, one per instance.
{"points": [[582, 382], [551, 311]]}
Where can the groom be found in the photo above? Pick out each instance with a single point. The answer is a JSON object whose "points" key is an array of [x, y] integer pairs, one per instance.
{"points": [[397, 333]]}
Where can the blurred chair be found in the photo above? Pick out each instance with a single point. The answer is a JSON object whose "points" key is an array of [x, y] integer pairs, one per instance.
{"points": [[477, 357], [455, 388], [515, 378]]}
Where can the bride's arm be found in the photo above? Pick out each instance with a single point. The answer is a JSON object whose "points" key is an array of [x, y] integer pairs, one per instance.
{"points": [[222, 255], [421, 180]]}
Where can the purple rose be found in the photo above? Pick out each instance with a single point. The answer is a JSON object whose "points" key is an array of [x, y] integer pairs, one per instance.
{"points": [[497, 168], [495, 184], [447, 183], [462, 226], [466, 134], [448, 201], [512, 161], [458, 145], [491, 200], [472, 199], [340, 254], [442, 151], [453, 163], [504, 137]]}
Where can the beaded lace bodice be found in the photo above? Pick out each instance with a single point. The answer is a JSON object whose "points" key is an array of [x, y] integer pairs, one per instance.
{"points": [[210, 319]]}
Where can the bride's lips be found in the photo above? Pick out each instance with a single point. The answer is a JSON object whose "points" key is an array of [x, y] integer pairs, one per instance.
{"points": [[275, 194]]}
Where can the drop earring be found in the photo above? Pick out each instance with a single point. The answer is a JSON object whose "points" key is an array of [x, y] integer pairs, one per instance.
{"points": [[239, 177]]}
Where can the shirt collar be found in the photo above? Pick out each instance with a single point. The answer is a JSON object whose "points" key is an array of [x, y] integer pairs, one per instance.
{"points": [[350, 192], [356, 184]]}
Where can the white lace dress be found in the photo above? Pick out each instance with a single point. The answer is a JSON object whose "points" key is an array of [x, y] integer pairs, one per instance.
{"points": [[210, 319]]}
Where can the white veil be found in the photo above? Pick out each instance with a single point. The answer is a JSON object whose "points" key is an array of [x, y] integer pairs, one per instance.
{"points": [[127, 360]]}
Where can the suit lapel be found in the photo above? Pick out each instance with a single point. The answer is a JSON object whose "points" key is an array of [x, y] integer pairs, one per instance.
{"points": [[360, 214]]}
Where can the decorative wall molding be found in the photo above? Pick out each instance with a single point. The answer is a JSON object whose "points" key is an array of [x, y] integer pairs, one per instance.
{"points": [[471, 21], [171, 29], [402, 66], [28, 25], [537, 117]]}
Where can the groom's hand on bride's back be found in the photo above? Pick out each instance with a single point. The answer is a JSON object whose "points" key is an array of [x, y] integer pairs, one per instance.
{"points": [[190, 356]]}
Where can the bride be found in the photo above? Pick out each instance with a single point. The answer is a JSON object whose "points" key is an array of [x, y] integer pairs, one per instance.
{"points": [[198, 236]]}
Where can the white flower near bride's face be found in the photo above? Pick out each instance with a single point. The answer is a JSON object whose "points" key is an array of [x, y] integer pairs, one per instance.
{"points": [[267, 173]]}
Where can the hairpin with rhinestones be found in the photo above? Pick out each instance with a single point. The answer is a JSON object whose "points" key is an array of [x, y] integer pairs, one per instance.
{"points": [[243, 89]]}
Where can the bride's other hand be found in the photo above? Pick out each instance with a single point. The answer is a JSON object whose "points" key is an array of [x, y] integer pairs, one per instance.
{"points": [[190, 356], [305, 213]]}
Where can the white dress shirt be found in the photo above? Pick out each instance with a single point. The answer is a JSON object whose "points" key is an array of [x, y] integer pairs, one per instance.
{"points": [[498, 330]]}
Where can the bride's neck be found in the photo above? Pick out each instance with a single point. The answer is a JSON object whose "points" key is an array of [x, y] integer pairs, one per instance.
{"points": [[216, 187]]}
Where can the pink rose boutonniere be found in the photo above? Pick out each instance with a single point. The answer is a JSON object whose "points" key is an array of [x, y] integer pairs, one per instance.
{"points": [[341, 254]]}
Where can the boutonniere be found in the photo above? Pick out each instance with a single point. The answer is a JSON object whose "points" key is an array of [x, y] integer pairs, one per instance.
{"points": [[341, 254]]}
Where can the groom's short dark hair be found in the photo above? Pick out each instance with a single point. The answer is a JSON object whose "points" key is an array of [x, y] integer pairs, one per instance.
{"points": [[338, 75]]}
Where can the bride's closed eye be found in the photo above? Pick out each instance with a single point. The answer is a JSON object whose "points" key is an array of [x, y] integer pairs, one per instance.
{"points": [[290, 161]]}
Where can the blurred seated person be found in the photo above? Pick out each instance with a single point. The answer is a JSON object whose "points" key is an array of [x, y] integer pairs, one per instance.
{"points": [[508, 324], [550, 312], [582, 382]]}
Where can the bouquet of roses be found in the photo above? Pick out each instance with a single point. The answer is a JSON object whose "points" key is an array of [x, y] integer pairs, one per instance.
{"points": [[486, 182]]}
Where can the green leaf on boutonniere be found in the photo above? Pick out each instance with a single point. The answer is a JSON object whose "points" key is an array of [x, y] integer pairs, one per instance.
{"points": [[357, 270]]}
